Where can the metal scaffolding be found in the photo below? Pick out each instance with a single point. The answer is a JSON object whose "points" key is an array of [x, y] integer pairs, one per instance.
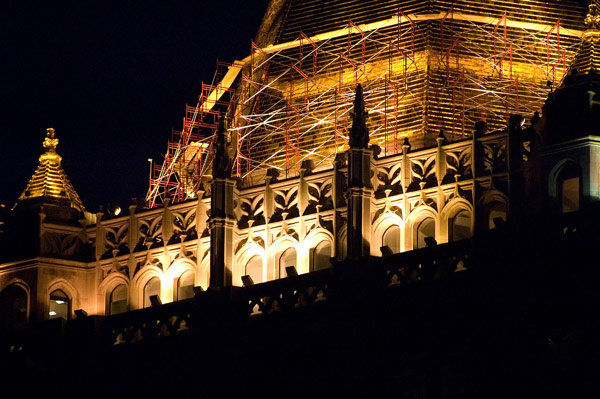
{"points": [[187, 161], [421, 73]]}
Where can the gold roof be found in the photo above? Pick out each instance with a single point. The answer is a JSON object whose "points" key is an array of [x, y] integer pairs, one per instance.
{"points": [[50, 182], [588, 56]]}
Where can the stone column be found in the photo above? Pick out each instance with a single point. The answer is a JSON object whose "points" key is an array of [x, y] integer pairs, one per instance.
{"points": [[405, 180], [337, 195], [514, 158], [167, 222], [360, 189], [133, 236], [440, 170], [477, 170], [221, 224], [222, 220]]}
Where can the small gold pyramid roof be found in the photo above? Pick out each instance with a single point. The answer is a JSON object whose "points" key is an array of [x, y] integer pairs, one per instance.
{"points": [[50, 182], [587, 58]]}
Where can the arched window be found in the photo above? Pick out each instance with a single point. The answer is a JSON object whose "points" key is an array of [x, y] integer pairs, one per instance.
{"points": [[570, 194], [569, 187], [287, 258], [118, 300], [60, 305], [460, 226], [151, 288], [13, 307], [320, 256], [391, 238], [254, 269], [425, 229], [498, 210], [185, 285]]}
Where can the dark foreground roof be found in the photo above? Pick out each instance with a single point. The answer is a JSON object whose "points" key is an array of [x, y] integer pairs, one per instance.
{"points": [[512, 313]]}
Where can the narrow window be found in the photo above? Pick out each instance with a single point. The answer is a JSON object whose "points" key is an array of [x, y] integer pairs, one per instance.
{"points": [[118, 300], [568, 188], [570, 195], [185, 285], [460, 226], [425, 229], [287, 258], [320, 256], [151, 288], [497, 211], [254, 269], [391, 238], [13, 308], [60, 305]]}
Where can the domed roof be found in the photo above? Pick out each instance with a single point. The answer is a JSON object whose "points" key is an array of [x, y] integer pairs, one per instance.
{"points": [[587, 59]]}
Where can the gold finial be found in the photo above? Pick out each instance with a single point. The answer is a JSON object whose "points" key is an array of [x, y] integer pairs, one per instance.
{"points": [[50, 142], [592, 19]]}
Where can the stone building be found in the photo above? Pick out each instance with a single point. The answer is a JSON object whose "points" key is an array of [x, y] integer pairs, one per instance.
{"points": [[438, 184], [429, 148]]}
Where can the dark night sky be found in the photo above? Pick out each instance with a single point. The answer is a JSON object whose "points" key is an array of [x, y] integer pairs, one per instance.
{"points": [[113, 78]]}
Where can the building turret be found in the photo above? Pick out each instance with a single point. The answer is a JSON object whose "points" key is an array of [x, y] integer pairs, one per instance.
{"points": [[46, 245], [573, 109], [49, 187], [569, 132], [45, 220]]}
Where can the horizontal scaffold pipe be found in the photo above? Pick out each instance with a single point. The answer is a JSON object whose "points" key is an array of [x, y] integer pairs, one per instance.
{"points": [[237, 66], [420, 18]]}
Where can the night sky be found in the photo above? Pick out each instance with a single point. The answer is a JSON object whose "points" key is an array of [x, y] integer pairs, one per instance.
{"points": [[113, 79]]}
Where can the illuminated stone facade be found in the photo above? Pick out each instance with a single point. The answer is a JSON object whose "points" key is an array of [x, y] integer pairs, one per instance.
{"points": [[424, 66], [367, 203]]}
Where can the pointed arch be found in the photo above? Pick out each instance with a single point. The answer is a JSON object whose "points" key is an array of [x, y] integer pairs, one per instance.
{"points": [[67, 287], [317, 245], [494, 204], [242, 259], [111, 281], [117, 301], [565, 185], [173, 279], [107, 287], [16, 281], [456, 220], [415, 226], [139, 282], [15, 304], [282, 252], [492, 196], [384, 230], [64, 295]]}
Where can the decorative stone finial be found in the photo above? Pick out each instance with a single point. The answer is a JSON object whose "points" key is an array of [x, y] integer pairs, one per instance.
{"points": [[440, 138], [480, 129], [50, 142], [359, 134], [592, 19], [222, 163], [406, 146]]}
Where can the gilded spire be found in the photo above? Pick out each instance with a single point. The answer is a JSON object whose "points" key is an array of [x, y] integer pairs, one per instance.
{"points": [[592, 19], [587, 58], [50, 142], [49, 183]]}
